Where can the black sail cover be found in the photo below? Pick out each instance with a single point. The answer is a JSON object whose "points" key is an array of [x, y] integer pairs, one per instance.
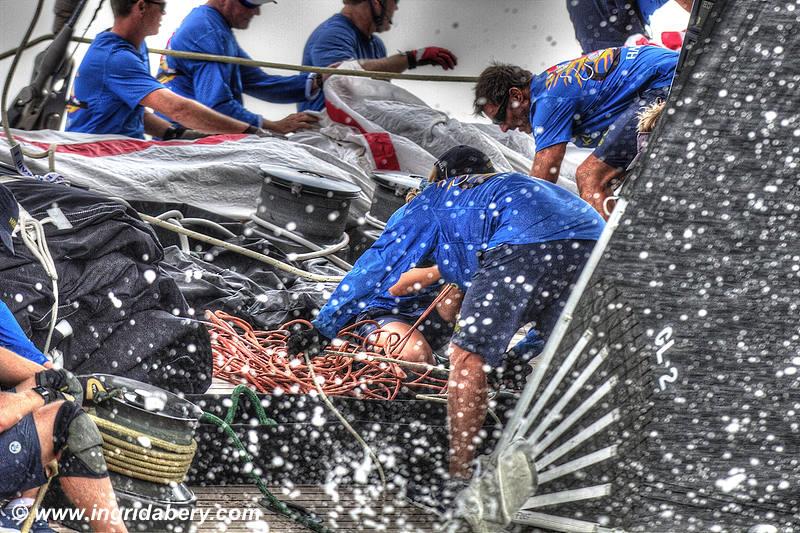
{"points": [[684, 347], [127, 318]]}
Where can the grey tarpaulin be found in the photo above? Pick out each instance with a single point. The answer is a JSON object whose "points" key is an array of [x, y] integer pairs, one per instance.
{"points": [[126, 317], [687, 333], [246, 288]]}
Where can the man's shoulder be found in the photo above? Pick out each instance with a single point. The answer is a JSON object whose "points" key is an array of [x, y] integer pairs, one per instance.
{"points": [[113, 50], [198, 24], [338, 24]]}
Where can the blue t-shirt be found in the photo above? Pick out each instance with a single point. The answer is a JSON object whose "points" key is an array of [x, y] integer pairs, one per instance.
{"points": [[450, 225], [578, 100], [13, 338], [220, 85], [113, 78], [338, 39]]}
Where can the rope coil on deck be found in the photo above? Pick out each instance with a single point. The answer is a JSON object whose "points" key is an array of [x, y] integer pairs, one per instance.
{"points": [[132, 453], [242, 354]]}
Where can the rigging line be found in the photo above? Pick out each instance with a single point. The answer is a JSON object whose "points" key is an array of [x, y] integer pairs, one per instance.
{"points": [[300, 68]]}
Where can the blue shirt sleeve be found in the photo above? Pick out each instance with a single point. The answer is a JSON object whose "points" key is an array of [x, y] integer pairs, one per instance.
{"points": [[14, 339], [333, 46], [211, 85], [276, 89], [402, 245], [551, 120], [128, 78]]}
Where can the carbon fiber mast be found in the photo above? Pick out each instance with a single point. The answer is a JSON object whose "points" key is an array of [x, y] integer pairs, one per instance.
{"points": [[667, 398]]}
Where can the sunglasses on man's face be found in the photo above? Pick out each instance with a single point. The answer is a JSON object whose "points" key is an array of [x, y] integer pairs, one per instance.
{"points": [[502, 110], [162, 5]]}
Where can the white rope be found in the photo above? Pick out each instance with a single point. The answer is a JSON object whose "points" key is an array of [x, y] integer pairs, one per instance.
{"points": [[608, 199], [332, 249], [283, 232], [374, 222], [32, 234]]}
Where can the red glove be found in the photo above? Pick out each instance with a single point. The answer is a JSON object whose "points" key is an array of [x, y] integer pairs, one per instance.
{"points": [[673, 39], [432, 55]]}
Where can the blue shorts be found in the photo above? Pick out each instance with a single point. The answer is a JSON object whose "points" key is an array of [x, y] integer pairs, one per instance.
{"points": [[601, 24], [20, 459], [619, 145], [516, 285], [434, 328]]}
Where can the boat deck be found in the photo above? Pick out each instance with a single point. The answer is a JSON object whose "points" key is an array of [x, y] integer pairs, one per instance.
{"points": [[350, 512]]}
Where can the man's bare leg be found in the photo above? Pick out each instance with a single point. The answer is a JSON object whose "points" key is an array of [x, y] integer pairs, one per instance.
{"points": [[96, 497], [84, 493], [467, 404], [593, 178]]}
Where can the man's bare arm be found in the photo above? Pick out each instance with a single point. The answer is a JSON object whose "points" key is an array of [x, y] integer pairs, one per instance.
{"points": [[15, 406], [685, 4], [14, 369], [396, 63], [192, 114], [547, 162], [415, 280]]}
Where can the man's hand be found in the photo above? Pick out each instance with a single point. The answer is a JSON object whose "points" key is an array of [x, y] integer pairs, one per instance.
{"points": [[309, 341], [61, 381], [432, 55], [292, 123]]}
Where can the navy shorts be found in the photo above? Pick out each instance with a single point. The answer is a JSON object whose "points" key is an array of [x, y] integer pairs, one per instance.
{"points": [[434, 328], [516, 285], [603, 24], [20, 459], [619, 145]]}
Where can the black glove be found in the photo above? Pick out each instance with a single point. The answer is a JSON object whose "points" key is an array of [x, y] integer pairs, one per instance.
{"points": [[309, 341], [61, 381], [179, 132]]}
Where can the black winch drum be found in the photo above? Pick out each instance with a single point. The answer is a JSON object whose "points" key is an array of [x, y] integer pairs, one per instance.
{"points": [[305, 202], [153, 412], [390, 193]]}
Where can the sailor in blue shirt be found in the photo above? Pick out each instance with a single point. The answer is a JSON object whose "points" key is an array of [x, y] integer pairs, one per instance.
{"points": [[350, 34], [208, 29], [603, 24], [514, 244], [113, 85], [591, 101]]}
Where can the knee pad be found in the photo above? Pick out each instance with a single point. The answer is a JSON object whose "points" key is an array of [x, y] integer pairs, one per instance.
{"points": [[82, 443]]}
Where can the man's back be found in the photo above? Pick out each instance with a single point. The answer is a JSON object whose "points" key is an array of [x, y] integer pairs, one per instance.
{"points": [[336, 40], [203, 30], [111, 81], [509, 208], [577, 100]]}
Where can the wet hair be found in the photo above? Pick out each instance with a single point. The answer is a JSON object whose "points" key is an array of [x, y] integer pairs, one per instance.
{"points": [[649, 116], [122, 8], [495, 81]]}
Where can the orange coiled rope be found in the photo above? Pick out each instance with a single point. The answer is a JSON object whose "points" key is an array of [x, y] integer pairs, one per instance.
{"points": [[258, 358]]}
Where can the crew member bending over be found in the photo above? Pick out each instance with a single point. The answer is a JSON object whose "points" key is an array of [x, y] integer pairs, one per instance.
{"points": [[513, 244], [591, 101]]}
